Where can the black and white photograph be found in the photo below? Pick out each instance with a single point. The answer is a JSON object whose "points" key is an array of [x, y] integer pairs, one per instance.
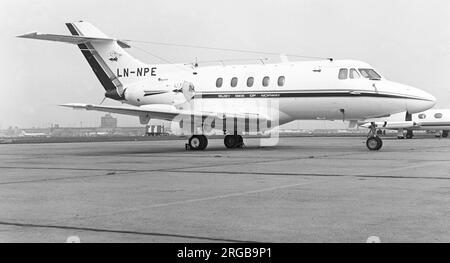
{"points": [[232, 122]]}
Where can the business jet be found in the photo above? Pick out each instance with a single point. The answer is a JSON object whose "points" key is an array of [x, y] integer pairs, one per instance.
{"points": [[430, 120], [237, 99]]}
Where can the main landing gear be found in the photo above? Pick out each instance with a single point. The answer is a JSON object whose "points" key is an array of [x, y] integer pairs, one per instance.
{"points": [[374, 142], [233, 141], [197, 143], [200, 142]]}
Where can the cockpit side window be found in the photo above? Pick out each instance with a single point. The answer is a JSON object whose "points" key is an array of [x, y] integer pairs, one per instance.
{"points": [[369, 73], [343, 73], [354, 74], [422, 116]]}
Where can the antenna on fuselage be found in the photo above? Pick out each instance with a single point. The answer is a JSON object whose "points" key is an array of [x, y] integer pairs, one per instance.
{"points": [[223, 61], [227, 49], [196, 63]]}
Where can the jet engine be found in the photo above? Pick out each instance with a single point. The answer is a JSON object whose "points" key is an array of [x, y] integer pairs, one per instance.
{"points": [[159, 93]]}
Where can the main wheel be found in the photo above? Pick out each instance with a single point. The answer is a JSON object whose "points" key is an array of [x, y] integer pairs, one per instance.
{"points": [[198, 142], [444, 134], [230, 141], [374, 143], [204, 142], [240, 142]]}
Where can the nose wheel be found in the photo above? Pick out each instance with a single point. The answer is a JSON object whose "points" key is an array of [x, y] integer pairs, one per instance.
{"points": [[197, 143], [374, 142]]}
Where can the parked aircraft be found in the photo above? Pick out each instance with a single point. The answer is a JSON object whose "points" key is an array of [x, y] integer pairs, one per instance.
{"points": [[430, 120], [238, 98], [33, 134]]}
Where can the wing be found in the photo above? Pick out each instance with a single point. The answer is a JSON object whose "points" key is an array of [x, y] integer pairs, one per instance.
{"points": [[166, 112], [162, 113]]}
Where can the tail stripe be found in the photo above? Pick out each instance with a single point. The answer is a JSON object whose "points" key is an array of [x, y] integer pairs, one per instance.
{"points": [[105, 79]]}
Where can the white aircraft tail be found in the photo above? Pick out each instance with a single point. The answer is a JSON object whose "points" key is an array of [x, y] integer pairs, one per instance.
{"points": [[109, 60], [114, 67]]}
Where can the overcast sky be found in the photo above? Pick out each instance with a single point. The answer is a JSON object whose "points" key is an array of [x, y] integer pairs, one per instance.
{"points": [[408, 41]]}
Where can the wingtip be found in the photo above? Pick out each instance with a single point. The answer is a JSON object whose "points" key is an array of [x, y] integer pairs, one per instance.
{"points": [[73, 105], [28, 35]]}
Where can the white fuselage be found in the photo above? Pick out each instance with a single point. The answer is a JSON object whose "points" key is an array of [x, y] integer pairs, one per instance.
{"points": [[434, 119], [307, 91]]}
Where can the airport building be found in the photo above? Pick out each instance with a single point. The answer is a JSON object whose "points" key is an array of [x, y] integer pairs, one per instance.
{"points": [[108, 121]]}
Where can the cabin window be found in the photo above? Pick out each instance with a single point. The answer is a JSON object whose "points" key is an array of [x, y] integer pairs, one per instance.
{"points": [[266, 81], [234, 82], [369, 73], [343, 73], [438, 115], [422, 116], [250, 81], [281, 80], [219, 82], [354, 74]]}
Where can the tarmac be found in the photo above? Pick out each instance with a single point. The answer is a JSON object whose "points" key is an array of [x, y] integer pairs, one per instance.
{"points": [[305, 189]]}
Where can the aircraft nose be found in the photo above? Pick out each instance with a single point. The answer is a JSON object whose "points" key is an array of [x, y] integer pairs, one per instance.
{"points": [[423, 101]]}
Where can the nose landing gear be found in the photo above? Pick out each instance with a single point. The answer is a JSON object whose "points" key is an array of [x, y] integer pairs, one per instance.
{"points": [[374, 142]]}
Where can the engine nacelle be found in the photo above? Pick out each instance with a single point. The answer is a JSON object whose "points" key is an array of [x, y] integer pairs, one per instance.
{"points": [[159, 93]]}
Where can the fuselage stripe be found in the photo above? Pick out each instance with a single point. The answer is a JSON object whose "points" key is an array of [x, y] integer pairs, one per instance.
{"points": [[95, 65], [300, 95]]}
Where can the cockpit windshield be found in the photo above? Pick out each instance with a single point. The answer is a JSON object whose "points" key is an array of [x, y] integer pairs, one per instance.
{"points": [[369, 73]]}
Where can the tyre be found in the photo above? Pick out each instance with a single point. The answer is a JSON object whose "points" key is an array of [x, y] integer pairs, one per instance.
{"points": [[204, 142], [230, 141], [239, 141], [374, 143], [198, 142]]}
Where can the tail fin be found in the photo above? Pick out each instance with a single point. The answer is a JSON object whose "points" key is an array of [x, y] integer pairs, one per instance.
{"points": [[108, 60], [113, 66]]}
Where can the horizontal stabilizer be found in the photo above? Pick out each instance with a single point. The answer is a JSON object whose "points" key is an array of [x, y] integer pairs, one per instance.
{"points": [[71, 39]]}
